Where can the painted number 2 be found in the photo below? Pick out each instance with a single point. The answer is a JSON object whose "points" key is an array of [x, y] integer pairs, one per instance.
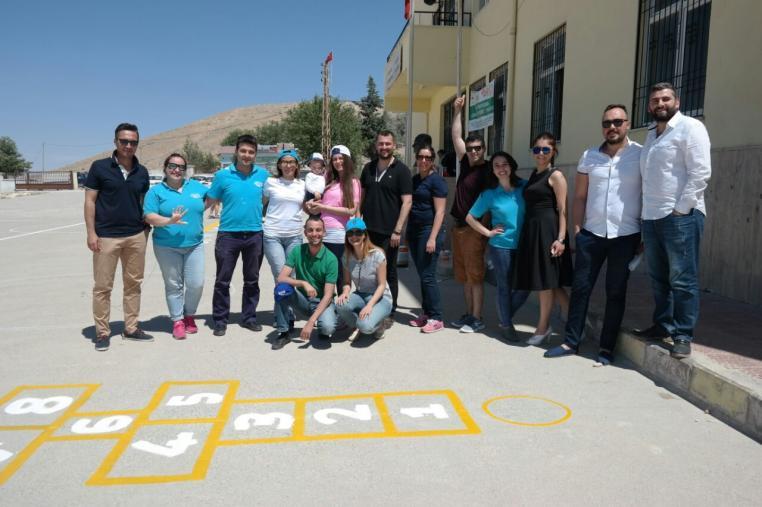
{"points": [[38, 406]]}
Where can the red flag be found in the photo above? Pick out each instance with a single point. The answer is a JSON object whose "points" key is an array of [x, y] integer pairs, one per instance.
{"points": [[407, 9], [329, 58]]}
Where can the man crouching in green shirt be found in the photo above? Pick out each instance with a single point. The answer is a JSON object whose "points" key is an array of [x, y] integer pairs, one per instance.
{"points": [[312, 270]]}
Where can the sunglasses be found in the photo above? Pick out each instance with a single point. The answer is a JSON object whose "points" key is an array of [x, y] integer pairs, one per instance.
{"points": [[544, 150], [608, 123], [355, 232], [127, 142], [172, 166], [424, 157], [474, 148]]}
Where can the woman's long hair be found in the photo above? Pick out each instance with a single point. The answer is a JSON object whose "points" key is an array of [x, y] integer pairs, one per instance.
{"points": [[345, 181], [492, 181]]}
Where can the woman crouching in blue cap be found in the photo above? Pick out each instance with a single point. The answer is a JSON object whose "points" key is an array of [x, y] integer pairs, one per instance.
{"points": [[365, 266]]}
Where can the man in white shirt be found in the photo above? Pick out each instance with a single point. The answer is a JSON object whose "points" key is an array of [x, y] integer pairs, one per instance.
{"points": [[676, 166], [606, 215]]}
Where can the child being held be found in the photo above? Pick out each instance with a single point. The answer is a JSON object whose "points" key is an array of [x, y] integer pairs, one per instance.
{"points": [[314, 181]]}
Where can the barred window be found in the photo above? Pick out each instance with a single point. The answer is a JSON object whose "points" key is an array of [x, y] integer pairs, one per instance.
{"points": [[475, 87], [672, 46], [548, 83], [496, 131]]}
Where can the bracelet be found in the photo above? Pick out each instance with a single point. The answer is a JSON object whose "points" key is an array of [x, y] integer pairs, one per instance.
{"points": [[397, 232]]}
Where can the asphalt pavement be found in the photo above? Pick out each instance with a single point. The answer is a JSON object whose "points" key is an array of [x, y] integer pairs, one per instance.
{"points": [[446, 418]]}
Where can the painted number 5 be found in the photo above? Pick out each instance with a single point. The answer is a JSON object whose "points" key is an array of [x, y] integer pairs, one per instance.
{"points": [[39, 406], [195, 399]]}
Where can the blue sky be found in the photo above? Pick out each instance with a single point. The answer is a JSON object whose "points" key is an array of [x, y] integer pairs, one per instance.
{"points": [[72, 70]]}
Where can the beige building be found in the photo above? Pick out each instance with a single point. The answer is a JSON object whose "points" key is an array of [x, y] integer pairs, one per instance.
{"points": [[555, 64]]}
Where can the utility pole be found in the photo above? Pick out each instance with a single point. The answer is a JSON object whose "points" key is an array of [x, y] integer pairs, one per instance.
{"points": [[326, 131], [409, 123], [43, 156]]}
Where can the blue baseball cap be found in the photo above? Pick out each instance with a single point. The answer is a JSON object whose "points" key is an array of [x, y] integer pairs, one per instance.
{"points": [[288, 153], [356, 223], [283, 291]]}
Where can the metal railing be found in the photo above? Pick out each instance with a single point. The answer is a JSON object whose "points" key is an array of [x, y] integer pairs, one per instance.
{"points": [[432, 18]]}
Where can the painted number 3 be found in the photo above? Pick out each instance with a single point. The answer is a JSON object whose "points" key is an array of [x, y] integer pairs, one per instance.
{"points": [[39, 406]]}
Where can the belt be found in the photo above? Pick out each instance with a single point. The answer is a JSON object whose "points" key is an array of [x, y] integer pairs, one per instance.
{"points": [[241, 234]]}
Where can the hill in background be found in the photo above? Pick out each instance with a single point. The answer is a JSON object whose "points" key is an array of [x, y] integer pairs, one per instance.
{"points": [[208, 133]]}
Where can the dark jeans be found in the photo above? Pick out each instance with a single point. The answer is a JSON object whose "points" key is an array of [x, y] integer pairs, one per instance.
{"points": [[672, 252], [382, 241], [426, 265], [226, 250], [592, 251], [508, 300], [338, 250]]}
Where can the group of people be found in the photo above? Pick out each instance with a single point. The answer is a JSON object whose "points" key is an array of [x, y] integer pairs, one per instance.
{"points": [[354, 227]]}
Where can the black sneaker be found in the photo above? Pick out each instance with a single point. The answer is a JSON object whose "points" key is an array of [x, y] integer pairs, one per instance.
{"points": [[291, 325], [102, 343], [281, 341], [138, 335], [252, 325], [655, 332], [325, 337], [681, 349], [220, 329]]}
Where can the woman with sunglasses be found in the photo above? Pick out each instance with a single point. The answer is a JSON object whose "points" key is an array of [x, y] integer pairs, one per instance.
{"points": [[543, 261], [365, 266], [283, 225], [425, 236], [340, 201], [504, 201], [175, 208]]}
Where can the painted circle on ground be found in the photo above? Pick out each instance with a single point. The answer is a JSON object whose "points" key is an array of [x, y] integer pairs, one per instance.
{"points": [[509, 405]]}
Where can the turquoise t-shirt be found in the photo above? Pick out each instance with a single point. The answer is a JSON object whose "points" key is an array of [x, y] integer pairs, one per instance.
{"points": [[163, 199], [507, 209], [241, 197]]}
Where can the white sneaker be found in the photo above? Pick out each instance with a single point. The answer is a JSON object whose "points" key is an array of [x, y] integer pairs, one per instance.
{"points": [[537, 339]]}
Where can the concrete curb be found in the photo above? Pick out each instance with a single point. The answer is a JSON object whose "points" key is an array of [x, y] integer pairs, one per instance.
{"points": [[736, 405]]}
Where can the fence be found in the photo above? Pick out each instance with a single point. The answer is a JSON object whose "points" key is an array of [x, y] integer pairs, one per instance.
{"points": [[45, 180]]}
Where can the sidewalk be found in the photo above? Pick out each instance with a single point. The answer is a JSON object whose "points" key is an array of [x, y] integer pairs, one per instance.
{"points": [[723, 374]]}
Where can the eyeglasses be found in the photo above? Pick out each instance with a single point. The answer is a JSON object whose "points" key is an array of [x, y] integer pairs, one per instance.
{"points": [[424, 157], [355, 232], [608, 123], [288, 162], [541, 149], [474, 148], [127, 142], [172, 166]]}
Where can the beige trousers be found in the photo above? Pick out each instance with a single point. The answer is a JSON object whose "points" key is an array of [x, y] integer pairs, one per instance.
{"points": [[132, 252]]}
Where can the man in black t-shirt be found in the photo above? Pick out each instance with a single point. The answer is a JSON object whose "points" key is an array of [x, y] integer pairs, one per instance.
{"points": [[468, 245], [387, 195], [114, 191]]}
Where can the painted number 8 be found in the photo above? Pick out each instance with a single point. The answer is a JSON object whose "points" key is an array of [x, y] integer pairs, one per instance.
{"points": [[39, 406]]}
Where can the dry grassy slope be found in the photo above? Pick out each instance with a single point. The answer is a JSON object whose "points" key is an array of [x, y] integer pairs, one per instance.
{"points": [[207, 133]]}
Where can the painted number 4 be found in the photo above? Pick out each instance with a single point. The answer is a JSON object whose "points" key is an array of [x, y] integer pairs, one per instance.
{"points": [[171, 449]]}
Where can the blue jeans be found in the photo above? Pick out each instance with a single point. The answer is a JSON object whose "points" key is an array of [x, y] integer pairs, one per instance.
{"points": [[672, 246], [426, 265], [508, 300], [228, 247], [183, 272], [326, 323], [277, 250], [592, 252], [350, 310]]}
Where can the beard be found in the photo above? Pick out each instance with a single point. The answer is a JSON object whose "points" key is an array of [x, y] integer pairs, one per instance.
{"points": [[664, 115], [385, 155]]}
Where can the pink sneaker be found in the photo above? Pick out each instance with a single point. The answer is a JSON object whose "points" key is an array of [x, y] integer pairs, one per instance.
{"points": [[190, 324], [420, 321], [432, 326], [178, 330]]}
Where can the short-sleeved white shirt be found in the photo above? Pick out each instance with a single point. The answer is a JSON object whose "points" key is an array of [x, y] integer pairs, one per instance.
{"points": [[284, 209]]}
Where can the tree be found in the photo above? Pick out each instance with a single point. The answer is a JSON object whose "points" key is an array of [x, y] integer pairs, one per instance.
{"points": [[271, 132], [371, 120], [201, 160], [11, 160], [233, 135]]}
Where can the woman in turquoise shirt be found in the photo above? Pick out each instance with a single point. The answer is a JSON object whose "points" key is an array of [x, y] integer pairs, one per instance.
{"points": [[503, 199], [175, 208]]}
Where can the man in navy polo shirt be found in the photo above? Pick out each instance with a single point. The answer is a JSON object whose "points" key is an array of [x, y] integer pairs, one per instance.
{"points": [[114, 191], [239, 188]]}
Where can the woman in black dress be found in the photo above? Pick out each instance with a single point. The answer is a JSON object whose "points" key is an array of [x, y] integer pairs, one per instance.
{"points": [[543, 261]]}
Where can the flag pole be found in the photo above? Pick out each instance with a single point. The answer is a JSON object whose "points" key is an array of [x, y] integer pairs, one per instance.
{"points": [[326, 130], [409, 123]]}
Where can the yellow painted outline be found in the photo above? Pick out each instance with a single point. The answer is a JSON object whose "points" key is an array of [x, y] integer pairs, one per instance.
{"points": [[212, 226], [46, 434], [93, 436], [390, 429], [567, 411], [100, 477]]}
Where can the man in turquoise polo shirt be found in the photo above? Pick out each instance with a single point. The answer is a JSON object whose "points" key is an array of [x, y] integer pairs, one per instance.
{"points": [[239, 188], [312, 270]]}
